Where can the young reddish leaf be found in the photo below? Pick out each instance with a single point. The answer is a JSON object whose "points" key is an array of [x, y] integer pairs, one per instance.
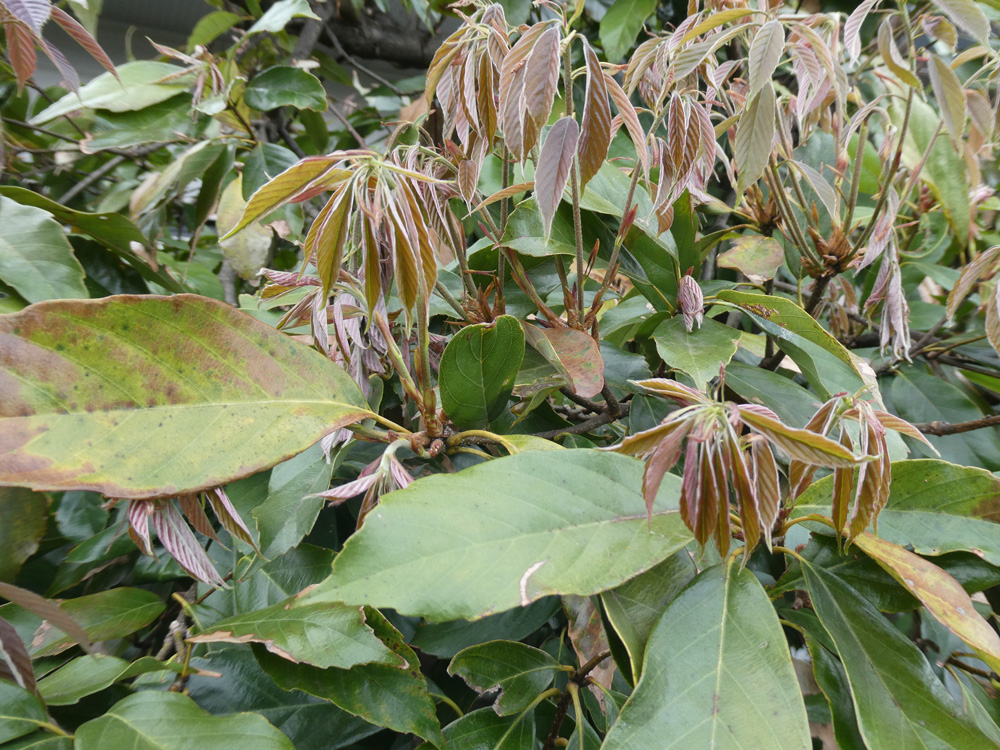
{"points": [[511, 92], [32, 13], [641, 444], [442, 59], [21, 49], [679, 392], [940, 29], [754, 136], [541, 77], [662, 460], [15, 664], [950, 98], [82, 37], [552, 171], [139, 512], [714, 21], [486, 102], [505, 193], [631, 121], [801, 445], [968, 15], [195, 514], [48, 610], [63, 65], [595, 133], [229, 517], [178, 540], [939, 592], [852, 28], [327, 236], [970, 276], [765, 54], [892, 57], [767, 485], [310, 177], [981, 112]]}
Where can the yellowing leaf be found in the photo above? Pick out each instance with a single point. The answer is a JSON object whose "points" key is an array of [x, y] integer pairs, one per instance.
{"points": [[939, 592]]}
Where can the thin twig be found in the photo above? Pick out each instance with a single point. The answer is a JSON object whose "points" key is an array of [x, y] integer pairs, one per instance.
{"points": [[954, 428]]}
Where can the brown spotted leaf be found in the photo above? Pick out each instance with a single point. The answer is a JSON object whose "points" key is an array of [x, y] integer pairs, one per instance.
{"points": [[209, 392], [553, 168]]}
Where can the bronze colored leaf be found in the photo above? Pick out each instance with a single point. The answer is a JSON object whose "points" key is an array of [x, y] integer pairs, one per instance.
{"points": [[327, 236], [595, 134], [801, 445], [765, 54], [511, 92], [754, 136], [631, 121], [552, 171], [541, 77], [574, 353]]}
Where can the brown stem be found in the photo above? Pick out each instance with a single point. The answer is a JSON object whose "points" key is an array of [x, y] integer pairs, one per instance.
{"points": [[579, 677], [954, 428], [591, 424]]}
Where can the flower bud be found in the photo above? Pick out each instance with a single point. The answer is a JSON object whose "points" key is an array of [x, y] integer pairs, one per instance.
{"points": [[691, 301]]}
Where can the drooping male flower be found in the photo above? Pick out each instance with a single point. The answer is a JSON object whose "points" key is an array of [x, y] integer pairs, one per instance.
{"points": [[729, 462]]}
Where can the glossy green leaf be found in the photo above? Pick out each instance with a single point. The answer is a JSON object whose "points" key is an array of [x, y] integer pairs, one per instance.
{"points": [[103, 376], [899, 700], [171, 721], [311, 723], [135, 88], [485, 730], [793, 404], [526, 235], [635, 607], [20, 712], [106, 615], [920, 396], [41, 741], [110, 229], [520, 672], [445, 639], [478, 369], [384, 695], [290, 512], [934, 507], [832, 680], [210, 27], [506, 533], [285, 86], [824, 361], [91, 673], [36, 259], [280, 13], [23, 521], [717, 673], [621, 25], [324, 636], [699, 353]]}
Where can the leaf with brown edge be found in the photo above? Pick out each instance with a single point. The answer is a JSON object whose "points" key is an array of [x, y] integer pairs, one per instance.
{"points": [[320, 634], [541, 77], [552, 171], [15, 663], [754, 135], [950, 95], [306, 179], [574, 353], [595, 133], [47, 610], [631, 121], [939, 592], [765, 54], [801, 445], [214, 393], [970, 276]]}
